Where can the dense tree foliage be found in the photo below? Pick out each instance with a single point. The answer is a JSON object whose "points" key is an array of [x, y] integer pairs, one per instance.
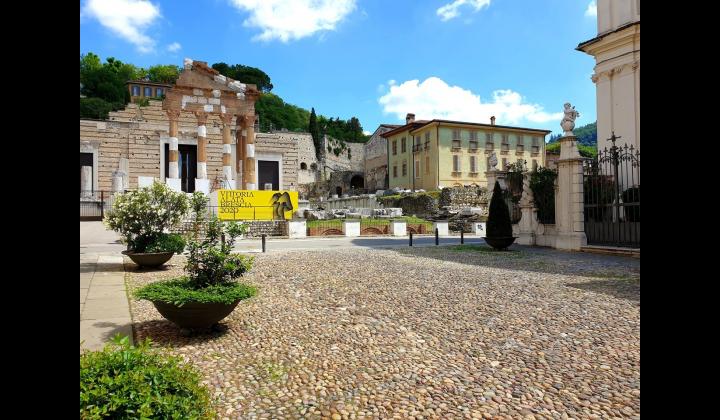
{"points": [[245, 74], [586, 135], [585, 151], [315, 133]]}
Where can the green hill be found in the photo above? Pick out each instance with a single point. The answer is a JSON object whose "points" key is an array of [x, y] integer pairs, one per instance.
{"points": [[586, 135], [103, 85]]}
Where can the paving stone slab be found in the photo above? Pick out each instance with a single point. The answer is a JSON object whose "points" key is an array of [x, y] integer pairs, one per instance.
{"points": [[96, 333]]}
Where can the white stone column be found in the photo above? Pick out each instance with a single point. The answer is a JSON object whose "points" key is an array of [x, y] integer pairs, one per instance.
{"points": [[173, 178], [227, 151], [86, 181], [249, 175], [351, 227], [569, 200]]}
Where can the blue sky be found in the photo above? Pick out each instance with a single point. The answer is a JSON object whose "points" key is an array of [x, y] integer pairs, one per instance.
{"points": [[374, 59]]}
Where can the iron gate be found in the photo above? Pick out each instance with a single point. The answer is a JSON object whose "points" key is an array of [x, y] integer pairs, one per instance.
{"points": [[93, 204], [612, 197]]}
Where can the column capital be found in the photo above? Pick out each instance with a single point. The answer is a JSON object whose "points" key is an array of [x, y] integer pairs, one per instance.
{"points": [[226, 119], [249, 120], [173, 114], [202, 117]]}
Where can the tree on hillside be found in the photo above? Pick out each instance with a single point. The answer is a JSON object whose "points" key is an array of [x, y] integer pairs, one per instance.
{"points": [[104, 84], [245, 74], [161, 73], [315, 133]]}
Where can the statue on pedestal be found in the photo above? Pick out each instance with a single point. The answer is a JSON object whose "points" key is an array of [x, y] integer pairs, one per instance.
{"points": [[568, 121], [493, 161]]}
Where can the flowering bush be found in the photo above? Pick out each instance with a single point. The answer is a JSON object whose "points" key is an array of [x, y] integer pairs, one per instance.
{"points": [[211, 268], [141, 217]]}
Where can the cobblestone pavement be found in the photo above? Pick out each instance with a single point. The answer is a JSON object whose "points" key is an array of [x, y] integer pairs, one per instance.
{"points": [[421, 333]]}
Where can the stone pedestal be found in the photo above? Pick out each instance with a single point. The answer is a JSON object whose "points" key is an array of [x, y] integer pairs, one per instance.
{"points": [[493, 176], [86, 181], [174, 184], [351, 227], [117, 182], [202, 185], [442, 228], [145, 181], [569, 199], [527, 227], [297, 229], [398, 228], [478, 228]]}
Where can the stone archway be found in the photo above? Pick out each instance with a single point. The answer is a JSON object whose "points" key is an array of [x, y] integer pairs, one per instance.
{"points": [[357, 182]]}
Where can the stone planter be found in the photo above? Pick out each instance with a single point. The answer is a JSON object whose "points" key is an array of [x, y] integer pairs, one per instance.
{"points": [[500, 243], [149, 259], [195, 315]]}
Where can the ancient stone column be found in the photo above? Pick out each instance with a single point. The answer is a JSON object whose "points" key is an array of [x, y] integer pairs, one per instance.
{"points": [[173, 171], [249, 177], [240, 134], [569, 199], [202, 117], [227, 150], [86, 181]]}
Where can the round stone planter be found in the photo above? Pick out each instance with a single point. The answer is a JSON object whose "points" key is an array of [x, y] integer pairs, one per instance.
{"points": [[149, 259], [500, 243], [195, 315]]}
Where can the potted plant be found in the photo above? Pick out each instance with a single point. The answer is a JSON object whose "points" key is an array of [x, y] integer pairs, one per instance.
{"points": [[209, 291], [499, 227], [143, 218]]}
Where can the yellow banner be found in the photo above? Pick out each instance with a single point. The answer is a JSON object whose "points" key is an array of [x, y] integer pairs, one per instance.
{"points": [[256, 205]]}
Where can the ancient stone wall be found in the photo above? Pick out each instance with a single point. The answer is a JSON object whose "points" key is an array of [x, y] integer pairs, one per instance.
{"points": [[376, 161], [457, 198], [135, 133], [257, 228]]}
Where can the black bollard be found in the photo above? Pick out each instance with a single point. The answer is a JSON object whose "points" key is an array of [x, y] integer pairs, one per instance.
{"points": [[263, 242], [437, 237], [411, 238], [462, 237]]}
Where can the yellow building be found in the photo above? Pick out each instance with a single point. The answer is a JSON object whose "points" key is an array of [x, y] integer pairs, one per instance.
{"points": [[441, 153]]}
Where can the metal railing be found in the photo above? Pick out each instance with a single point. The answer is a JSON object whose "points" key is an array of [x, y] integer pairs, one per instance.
{"points": [[240, 213], [94, 204]]}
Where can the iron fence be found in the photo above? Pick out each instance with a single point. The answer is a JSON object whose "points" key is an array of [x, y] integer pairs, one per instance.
{"points": [[240, 213], [94, 204], [612, 197]]}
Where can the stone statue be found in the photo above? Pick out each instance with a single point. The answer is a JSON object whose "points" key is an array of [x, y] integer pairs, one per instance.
{"points": [[527, 198], [493, 162], [568, 121]]}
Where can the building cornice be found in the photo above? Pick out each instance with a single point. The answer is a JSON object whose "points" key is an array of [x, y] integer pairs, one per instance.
{"points": [[586, 45], [610, 73]]}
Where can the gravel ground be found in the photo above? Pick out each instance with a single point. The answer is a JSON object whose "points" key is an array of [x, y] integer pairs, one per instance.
{"points": [[421, 333]]}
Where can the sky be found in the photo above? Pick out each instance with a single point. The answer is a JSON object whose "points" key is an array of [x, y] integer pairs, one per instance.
{"points": [[376, 60]]}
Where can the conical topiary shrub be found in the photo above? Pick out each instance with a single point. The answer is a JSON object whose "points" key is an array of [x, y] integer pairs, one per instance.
{"points": [[499, 227]]}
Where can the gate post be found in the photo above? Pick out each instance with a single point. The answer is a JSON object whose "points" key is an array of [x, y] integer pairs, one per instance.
{"points": [[569, 198], [102, 205]]}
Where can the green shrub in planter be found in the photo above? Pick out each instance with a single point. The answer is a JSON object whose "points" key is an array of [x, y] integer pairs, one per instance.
{"points": [[211, 268], [126, 382], [141, 217], [498, 222], [167, 242]]}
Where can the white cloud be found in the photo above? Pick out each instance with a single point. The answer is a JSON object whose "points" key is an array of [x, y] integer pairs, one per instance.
{"points": [[591, 9], [289, 20], [174, 47], [125, 18], [450, 10], [367, 133], [433, 98]]}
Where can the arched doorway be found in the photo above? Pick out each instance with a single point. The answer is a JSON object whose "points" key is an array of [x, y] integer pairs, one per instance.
{"points": [[357, 182], [338, 191]]}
